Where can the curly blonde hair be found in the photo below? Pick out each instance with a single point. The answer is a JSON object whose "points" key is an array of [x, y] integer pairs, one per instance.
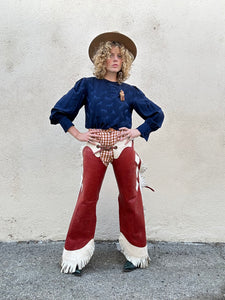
{"points": [[103, 53]]}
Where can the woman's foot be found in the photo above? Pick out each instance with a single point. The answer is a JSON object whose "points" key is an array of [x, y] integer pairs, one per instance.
{"points": [[128, 266], [78, 272]]}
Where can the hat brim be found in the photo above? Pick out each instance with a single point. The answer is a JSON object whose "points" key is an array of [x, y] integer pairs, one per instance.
{"points": [[112, 37]]}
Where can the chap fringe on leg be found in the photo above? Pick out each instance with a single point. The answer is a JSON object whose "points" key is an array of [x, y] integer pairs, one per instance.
{"points": [[72, 259], [137, 255]]}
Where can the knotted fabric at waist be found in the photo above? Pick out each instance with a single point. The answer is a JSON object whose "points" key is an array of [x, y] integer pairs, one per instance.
{"points": [[106, 148], [109, 141]]}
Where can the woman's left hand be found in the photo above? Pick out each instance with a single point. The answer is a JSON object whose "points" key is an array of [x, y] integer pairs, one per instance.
{"points": [[128, 134]]}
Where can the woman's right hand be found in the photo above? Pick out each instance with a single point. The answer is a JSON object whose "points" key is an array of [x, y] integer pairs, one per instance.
{"points": [[91, 136]]}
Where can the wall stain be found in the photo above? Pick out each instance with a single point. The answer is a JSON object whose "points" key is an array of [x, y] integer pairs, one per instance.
{"points": [[156, 26], [9, 66]]}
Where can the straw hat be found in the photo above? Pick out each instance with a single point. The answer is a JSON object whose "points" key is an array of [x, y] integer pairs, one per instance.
{"points": [[112, 37]]}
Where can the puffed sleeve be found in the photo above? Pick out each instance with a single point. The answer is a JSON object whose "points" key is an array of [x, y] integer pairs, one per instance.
{"points": [[67, 108], [149, 111]]}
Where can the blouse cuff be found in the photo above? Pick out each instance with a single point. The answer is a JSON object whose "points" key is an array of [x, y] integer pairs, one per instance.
{"points": [[144, 130], [65, 123]]}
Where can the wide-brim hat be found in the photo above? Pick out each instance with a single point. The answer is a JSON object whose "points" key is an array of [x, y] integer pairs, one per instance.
{"points": [[112, 37]]}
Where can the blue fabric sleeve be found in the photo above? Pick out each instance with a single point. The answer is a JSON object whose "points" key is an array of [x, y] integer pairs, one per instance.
{"points": [[149, 111], [67, 108]]}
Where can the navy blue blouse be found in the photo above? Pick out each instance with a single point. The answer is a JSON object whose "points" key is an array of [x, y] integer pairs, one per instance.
{"points": [[104, 108]]}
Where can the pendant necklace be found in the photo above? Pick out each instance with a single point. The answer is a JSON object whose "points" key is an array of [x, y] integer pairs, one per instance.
{"points": [[122, 95]]}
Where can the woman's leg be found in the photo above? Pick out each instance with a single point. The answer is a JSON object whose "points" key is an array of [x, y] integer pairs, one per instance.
{"points": [[132, 224], [79, 245]]}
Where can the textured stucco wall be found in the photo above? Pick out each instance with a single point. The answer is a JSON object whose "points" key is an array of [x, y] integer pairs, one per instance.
{"points": [[180, 65]]}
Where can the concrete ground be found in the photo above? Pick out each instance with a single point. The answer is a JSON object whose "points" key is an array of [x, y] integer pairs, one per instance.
{"points": [[177, 271]]}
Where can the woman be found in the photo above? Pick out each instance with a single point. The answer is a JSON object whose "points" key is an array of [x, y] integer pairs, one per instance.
{"points": [[108, 103]]}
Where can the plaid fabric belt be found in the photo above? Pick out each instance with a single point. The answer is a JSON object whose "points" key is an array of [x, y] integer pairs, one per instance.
{"points": [[107, 141]]}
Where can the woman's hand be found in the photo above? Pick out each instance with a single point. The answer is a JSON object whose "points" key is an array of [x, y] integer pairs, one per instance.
{"points": [[128, 134], [91, 136]]}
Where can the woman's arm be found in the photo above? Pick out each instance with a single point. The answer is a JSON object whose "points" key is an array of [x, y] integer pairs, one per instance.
{"points": [[89, 136], [149, 111], [67, 108], [129, 134]]}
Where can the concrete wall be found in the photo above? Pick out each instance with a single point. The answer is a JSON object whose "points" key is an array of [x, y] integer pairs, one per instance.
{"points": [[180, 65]]}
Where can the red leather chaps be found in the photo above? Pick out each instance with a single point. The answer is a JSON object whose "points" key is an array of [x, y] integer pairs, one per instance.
{"points": [[83, 222]]}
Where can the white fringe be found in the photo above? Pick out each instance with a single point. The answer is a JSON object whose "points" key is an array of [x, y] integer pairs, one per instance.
{"points": [[143, 183], [72, 259], [137, 255]]}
